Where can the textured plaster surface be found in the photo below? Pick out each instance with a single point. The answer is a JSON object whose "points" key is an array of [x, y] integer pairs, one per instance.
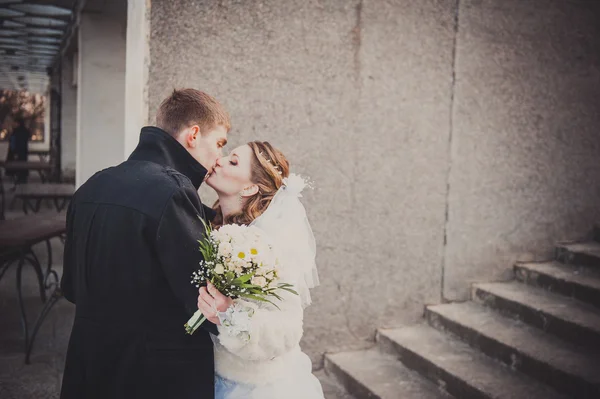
{"points": [[446, 138], [332, 85], [525, 151]]}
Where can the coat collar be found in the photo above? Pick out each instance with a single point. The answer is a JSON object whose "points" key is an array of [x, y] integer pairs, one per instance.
{"points": [[159, 147]]}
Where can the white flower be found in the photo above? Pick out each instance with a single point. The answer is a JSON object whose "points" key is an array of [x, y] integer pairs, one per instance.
{"points": [[229, 265], [259, 280], [217, 236], [225, 249], [238, 262], [228, 229], [219, 269]]}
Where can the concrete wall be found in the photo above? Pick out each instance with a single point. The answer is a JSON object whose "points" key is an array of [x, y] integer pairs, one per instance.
{"points": [[525, 166], [68, 118], [101, 90], [137, 69], [443, 148]]}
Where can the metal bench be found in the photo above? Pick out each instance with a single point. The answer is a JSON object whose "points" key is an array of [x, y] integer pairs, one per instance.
{"points": [[17, 238], [43, 155], [32, 195], [43, 168]]}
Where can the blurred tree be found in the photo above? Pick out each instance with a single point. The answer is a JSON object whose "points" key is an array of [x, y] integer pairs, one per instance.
{"points": [[14, 104]]}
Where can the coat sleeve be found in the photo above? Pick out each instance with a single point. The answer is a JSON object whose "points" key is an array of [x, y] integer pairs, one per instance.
{"points": [[178, 232], [67, 283], [260, 331]]}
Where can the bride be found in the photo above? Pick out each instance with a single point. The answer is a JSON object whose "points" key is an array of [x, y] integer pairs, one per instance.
{"points": [[257, 351]]}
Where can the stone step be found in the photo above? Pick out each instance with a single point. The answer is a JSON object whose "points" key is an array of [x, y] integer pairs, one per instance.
{"points": [[331, 388], [563, 366], [462, 370], [373, 374], [564, 317], [579, 253], [578, 282]]}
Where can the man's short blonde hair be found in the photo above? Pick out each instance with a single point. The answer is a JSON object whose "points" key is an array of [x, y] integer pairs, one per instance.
{"points": [[189, 107]]}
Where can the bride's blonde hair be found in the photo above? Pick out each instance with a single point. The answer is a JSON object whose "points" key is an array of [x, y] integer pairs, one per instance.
{"points": [[268, 168]]}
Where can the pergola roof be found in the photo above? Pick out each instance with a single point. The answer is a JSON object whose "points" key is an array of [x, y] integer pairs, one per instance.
{"points": [[31, 34]]}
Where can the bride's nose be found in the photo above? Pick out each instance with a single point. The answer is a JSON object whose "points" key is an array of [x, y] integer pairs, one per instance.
{"points": [[220, 161]]}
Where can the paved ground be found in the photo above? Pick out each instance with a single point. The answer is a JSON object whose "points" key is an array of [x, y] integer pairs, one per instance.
{"points": [[41, 379]]}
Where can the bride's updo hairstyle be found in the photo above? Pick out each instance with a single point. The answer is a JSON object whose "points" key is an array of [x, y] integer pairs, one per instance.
{"points": [[268, 169]]}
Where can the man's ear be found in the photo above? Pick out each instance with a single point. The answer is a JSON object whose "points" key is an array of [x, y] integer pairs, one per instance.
{"points": [[249, 191], [192, 134]]}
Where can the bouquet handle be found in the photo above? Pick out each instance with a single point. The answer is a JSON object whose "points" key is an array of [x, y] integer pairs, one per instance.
{"points": [[194, 322]]}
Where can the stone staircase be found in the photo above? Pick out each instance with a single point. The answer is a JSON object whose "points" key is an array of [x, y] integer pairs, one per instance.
{"points": [[535, 337]]}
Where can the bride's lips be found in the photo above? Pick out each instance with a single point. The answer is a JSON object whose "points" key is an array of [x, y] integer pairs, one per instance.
{"points": [[209, 174]]}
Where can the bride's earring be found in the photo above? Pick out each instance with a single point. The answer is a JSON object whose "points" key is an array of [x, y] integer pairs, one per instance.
{"points": [[241, 197]]}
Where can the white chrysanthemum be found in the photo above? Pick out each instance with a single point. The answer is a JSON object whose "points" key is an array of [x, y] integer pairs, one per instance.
{"points": [[229, 230], [225, 249], [218, 236]]}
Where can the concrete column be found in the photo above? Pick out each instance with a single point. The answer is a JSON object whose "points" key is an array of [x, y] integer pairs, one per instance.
{"points": [[68, 138], [136, 75], [101, 90]]}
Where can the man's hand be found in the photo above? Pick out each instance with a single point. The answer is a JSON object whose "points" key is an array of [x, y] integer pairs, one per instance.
{"points": [[210, 301]]}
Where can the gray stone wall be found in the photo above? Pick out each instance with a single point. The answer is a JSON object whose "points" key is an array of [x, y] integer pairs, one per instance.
{"points": [[525, 168], [446, 138]]}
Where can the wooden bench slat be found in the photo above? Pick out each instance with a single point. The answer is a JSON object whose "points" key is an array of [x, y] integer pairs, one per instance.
{"points": [[49, 190], [26, 165], [30, 230]]}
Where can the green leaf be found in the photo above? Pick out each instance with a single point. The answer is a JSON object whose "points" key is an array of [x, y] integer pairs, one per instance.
{"points": [[257, 298], [277, 296], [251, 286], [243, 278], [290, 290]]}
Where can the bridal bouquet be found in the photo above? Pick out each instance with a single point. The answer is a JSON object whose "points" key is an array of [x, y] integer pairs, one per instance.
{"points": [[240, 263]]}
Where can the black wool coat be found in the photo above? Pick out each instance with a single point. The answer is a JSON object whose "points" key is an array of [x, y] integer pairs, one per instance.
{"points": [[131, 248]]}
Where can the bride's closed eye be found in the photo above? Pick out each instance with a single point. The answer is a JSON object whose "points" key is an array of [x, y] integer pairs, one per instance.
{"points": [[232, 163]]}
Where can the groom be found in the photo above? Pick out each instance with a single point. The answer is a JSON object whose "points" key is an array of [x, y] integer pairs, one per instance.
{"points": [[131, 248]]}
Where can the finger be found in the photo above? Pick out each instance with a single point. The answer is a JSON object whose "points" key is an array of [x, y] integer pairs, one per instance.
{"points": [[204, 290], [212, 290], [206, 296], [221, 301], [205, 307]]}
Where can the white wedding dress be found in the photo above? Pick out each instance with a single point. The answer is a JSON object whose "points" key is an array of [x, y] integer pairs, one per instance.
{"points": [[257, 351]]}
